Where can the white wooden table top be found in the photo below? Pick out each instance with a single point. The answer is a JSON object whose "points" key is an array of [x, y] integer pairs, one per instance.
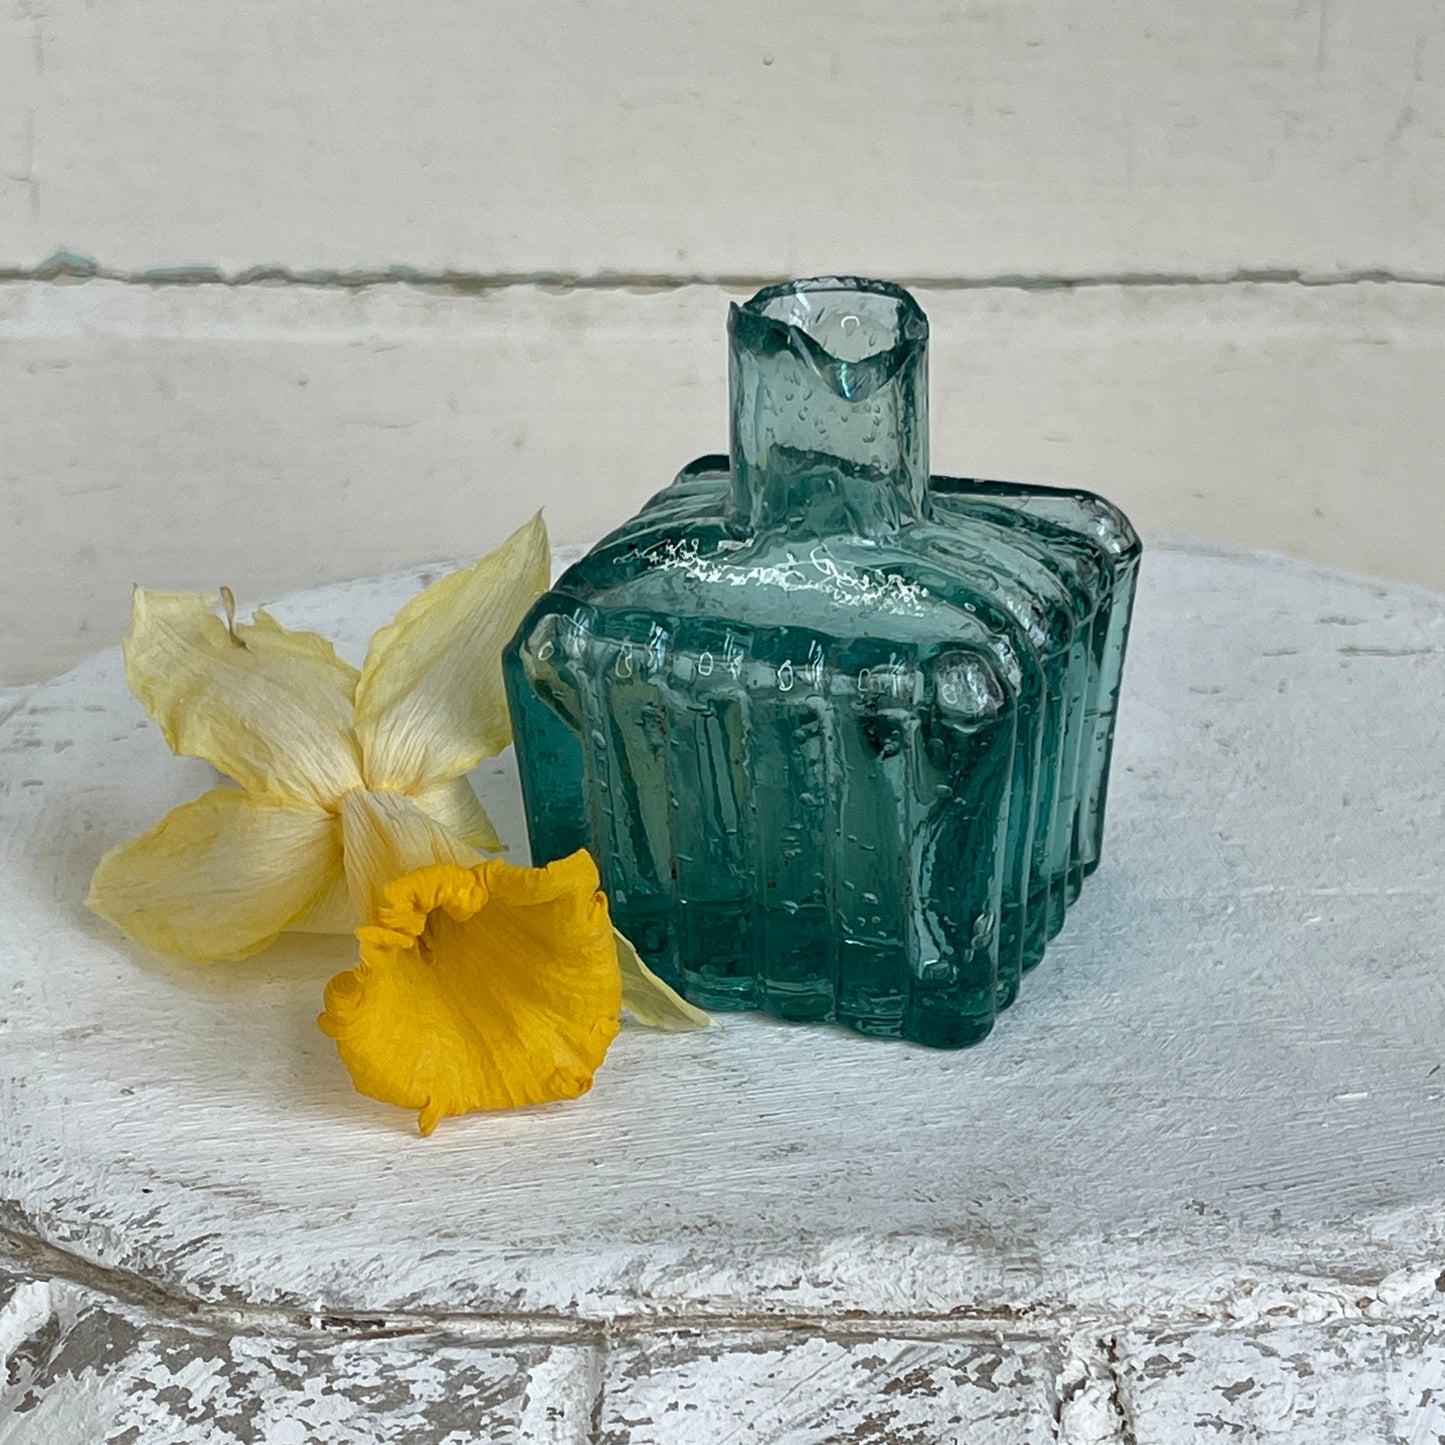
{"points": [[1193, 1186]]}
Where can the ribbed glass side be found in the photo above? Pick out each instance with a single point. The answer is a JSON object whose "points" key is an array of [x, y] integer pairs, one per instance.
{"points": [[814, 826], [1081, 524], [837, 732]]}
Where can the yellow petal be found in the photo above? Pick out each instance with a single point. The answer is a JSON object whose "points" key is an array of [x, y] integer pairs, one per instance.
{"points": [[651, 1001], [332, 911], [270, 707], [430, 703], [386, 834], [480, 988], [218, 878], [457, 808]]}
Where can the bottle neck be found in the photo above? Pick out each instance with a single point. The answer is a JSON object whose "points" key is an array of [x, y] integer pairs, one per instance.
{"points": [[829, 396]]}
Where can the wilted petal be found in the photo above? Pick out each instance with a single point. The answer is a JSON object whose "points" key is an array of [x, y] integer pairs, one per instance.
{"points": [[430, 703], [480, 988], [386, 835], [334, 911], [651, 1001], [457, 808], [270, 707], [218, 878]]}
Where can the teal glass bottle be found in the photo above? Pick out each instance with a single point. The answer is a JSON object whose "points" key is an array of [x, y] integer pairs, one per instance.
{"points": [[836, 731]]}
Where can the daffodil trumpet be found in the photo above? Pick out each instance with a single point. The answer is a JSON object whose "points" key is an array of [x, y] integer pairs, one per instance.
{"points": [[486, 987], [349, 784]]}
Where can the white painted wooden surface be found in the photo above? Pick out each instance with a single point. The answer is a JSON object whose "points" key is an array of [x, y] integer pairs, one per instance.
{"points": [[1192, 1187], [269, 438]]}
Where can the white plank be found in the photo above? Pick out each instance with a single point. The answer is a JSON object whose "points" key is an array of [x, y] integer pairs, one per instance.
{"points": [[934, 138], [273, 438], [1219, 1097]]}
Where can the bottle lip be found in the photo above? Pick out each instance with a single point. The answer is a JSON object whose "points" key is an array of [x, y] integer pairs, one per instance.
{"points": [[911, 324], [853, 332]]}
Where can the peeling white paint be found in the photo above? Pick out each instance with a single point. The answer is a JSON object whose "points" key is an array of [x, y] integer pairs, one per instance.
{"points": [[21, 1315], [1089, 1411]]}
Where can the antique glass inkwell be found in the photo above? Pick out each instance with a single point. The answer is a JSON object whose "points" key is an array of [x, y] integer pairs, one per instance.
{"points": [[836, 731]]}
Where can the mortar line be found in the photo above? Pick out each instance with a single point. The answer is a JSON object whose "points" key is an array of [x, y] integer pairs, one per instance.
{"points": [[70, 268]]}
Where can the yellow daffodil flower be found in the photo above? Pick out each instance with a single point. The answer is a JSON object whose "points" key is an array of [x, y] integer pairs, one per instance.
{"points": [[349, 783], [480, 988], [347, 779]]}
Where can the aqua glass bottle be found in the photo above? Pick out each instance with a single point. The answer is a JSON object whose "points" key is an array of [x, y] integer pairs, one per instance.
{"points": [[836, 731]]}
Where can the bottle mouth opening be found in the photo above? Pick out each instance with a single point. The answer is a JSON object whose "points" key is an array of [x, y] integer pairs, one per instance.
{"points": [[847, 318]]}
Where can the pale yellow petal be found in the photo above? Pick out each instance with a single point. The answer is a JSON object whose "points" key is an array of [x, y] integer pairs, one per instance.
{"points": [[457, 808], [482, 988], [270, 707], [430, 703], [218, 878], [651, 1001], [333, 911], [386, 835]]}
